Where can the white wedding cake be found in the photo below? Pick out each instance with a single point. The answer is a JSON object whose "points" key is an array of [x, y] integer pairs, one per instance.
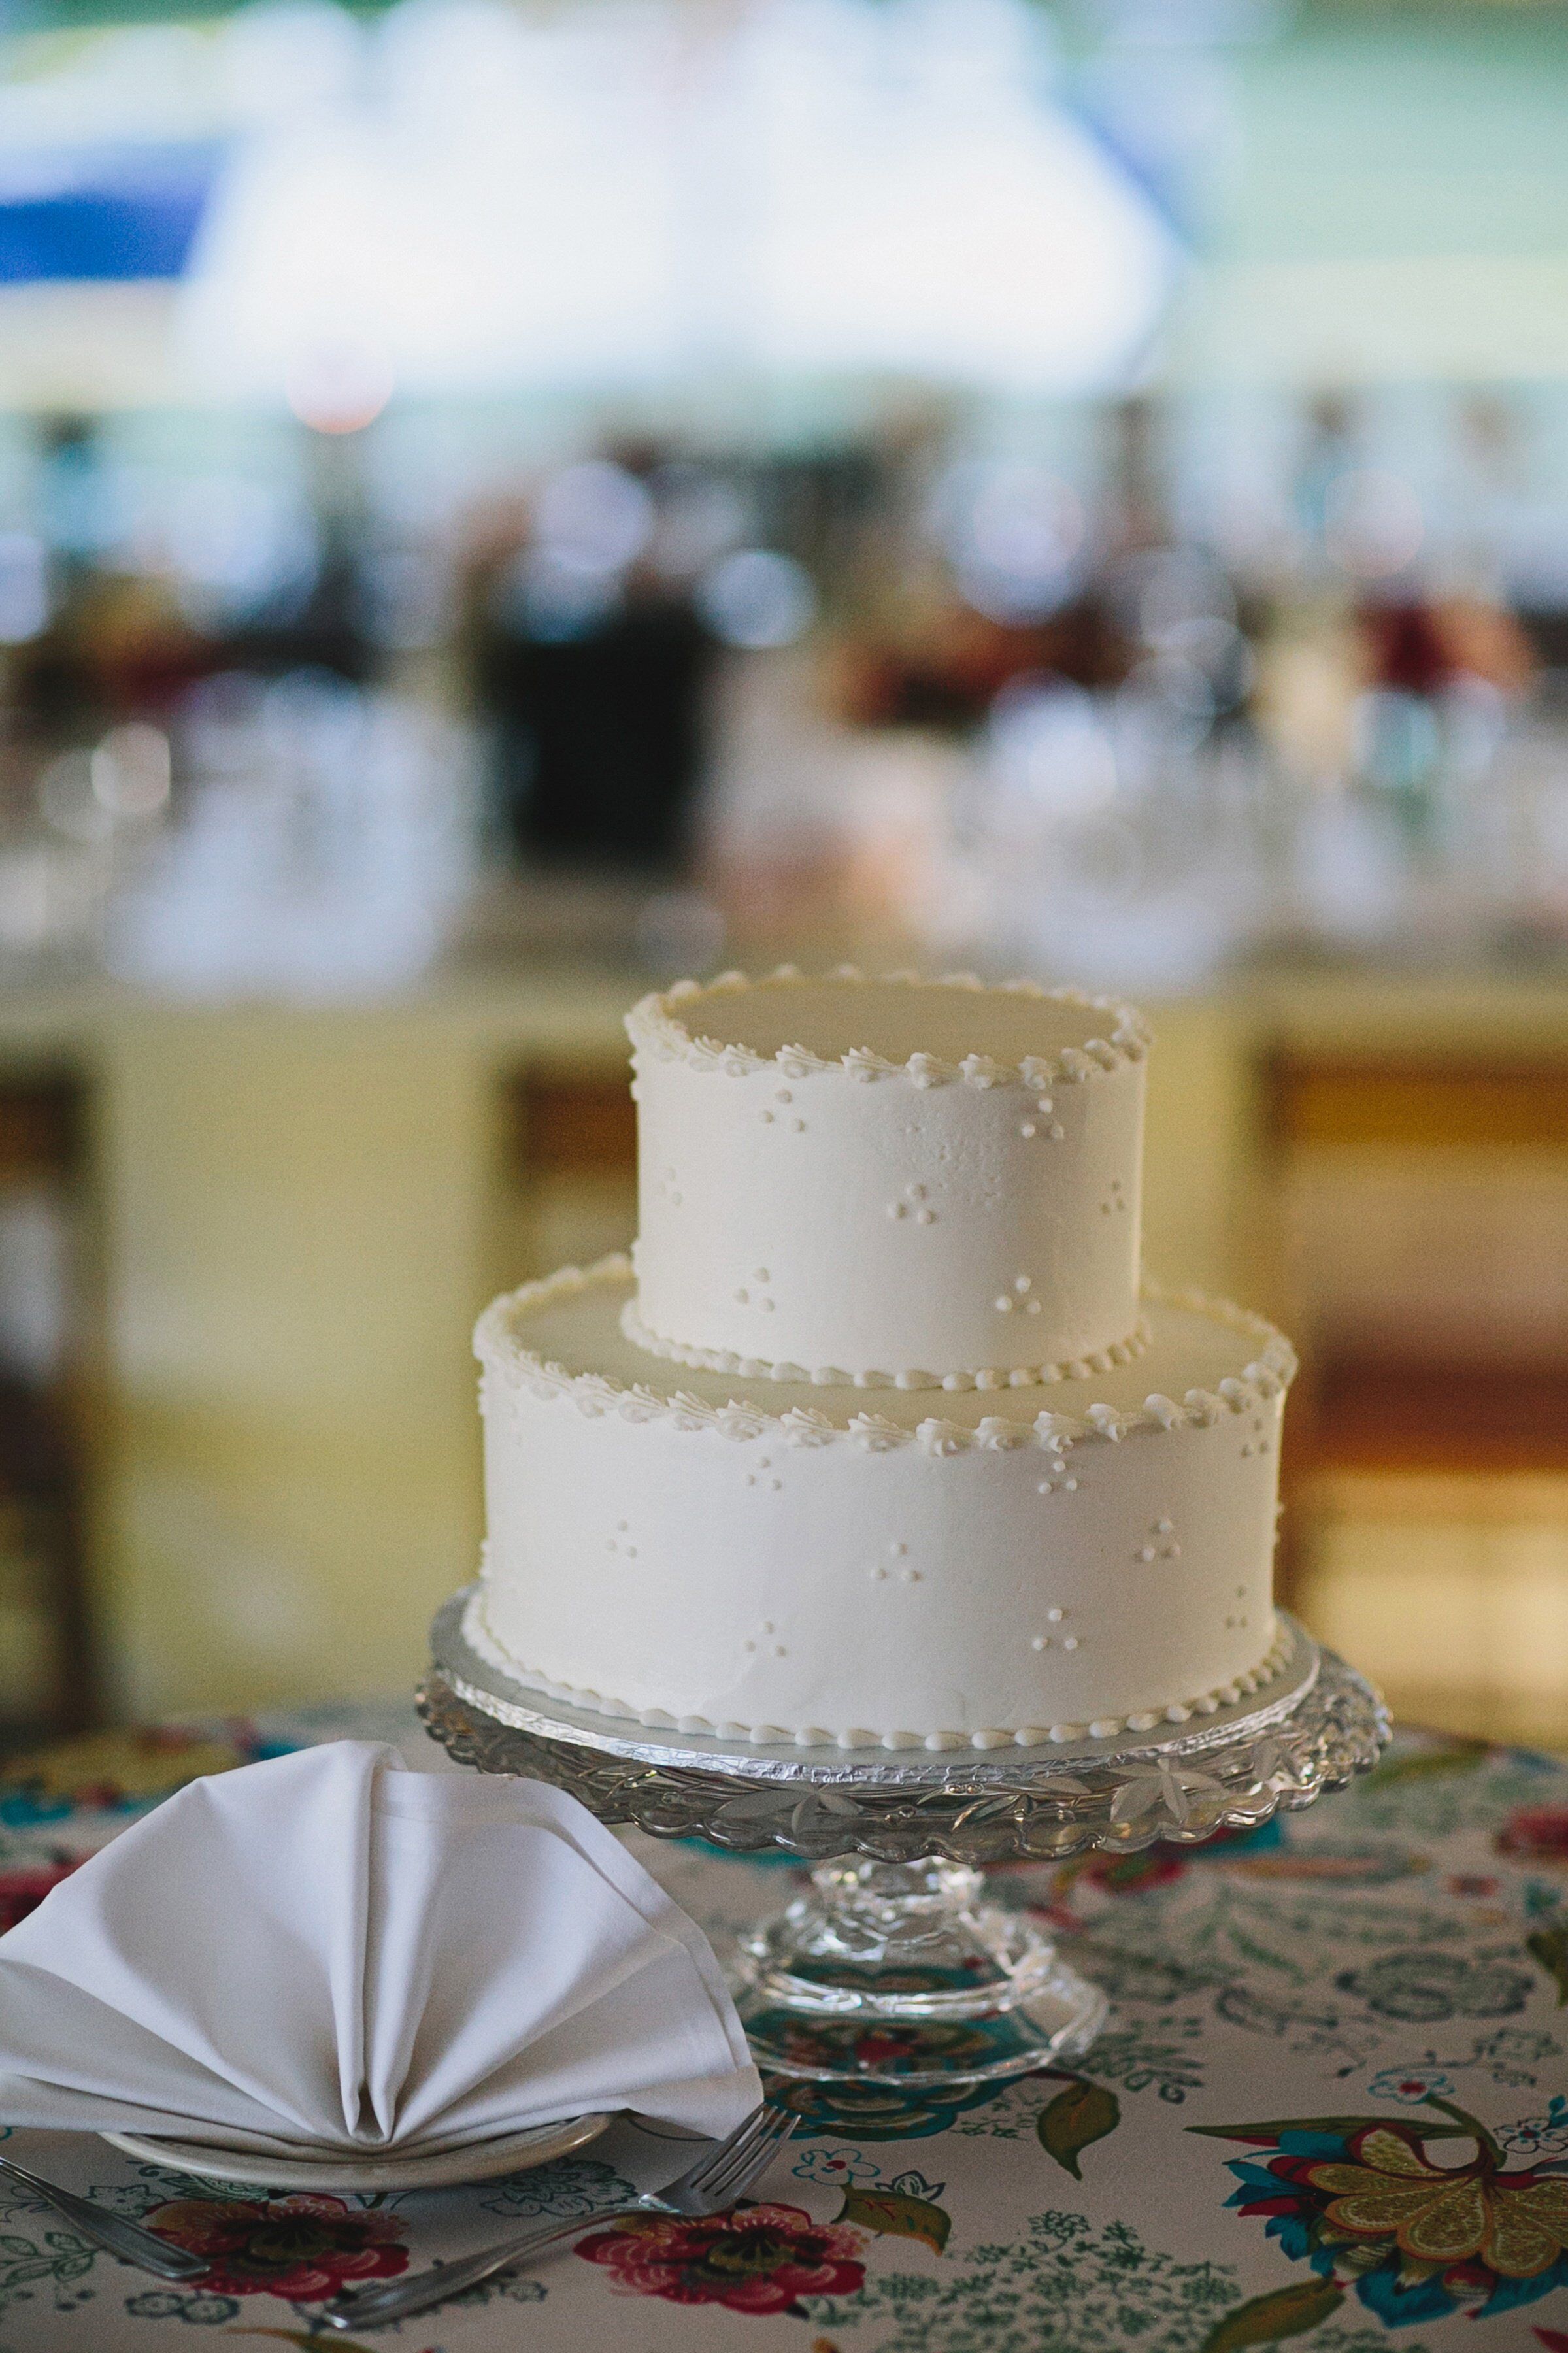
{"points": [[876, 1440]]}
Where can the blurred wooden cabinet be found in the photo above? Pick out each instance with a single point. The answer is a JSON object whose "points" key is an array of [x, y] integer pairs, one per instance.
{"points": [[1427, 1208], [1425, 1220], [46, 1680], [569, 1155]]}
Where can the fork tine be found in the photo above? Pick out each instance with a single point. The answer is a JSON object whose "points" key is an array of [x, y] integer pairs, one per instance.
{"points": [[760, 2155], [778, 2125], [719, 2160], [776, 2129], [744, 2166], [715, 2155], [781, 2125]]}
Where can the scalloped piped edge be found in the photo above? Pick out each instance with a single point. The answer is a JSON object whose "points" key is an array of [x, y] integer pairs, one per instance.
{"points": [[656, 1023], [991, 1377], [497, 1348], [480, 1638]]}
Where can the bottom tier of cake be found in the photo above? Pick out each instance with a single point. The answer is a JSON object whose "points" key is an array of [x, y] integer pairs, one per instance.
{"points": [[896, 1568]]}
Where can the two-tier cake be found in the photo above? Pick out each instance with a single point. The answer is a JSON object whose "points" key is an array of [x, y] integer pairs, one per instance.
{"points": [[876, 1441]]}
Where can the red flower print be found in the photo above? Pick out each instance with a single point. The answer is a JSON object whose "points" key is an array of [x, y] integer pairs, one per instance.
{"points": [[23, 1890], [299, 2248], [1539, 1832], [757, 2259]]}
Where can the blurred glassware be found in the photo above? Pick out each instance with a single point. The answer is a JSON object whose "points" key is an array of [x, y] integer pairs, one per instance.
{"points": [[328, 839], [130, 772], [698, 517], [1091, 839], [593, 517], [53, 896], [1051, 755], [25, 599], [1015, 534], [68, 803], [240, 550], [678, 933], [757, 599]]}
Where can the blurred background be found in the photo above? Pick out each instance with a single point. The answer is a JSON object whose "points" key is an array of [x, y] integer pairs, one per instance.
{"points": [[504, 502]]}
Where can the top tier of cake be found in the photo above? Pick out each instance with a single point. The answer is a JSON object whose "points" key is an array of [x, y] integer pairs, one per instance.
{"points": [[889, 1182]]}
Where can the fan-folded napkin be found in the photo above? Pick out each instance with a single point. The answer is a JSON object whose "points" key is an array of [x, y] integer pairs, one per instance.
{"points": [[329, 1951]]}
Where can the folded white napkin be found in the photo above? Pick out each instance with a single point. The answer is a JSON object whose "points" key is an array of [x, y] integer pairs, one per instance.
{"points": [[329, 1951]]}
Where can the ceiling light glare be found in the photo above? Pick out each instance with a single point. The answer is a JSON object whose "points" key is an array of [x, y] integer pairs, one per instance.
{"points": [[339, 391]]}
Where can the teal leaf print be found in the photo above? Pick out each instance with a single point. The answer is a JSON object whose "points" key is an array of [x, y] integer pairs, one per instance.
{"points": [[570, 2186], [62, 2258], [1427, 1988]]}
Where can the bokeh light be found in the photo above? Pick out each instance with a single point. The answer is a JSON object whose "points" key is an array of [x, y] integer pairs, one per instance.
{"points": [[757, 599]]}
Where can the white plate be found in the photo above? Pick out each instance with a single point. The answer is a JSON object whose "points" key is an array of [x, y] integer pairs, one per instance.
{"points": [[478, 2160]]}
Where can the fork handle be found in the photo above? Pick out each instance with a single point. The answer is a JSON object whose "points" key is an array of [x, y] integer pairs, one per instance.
{"points": [[142, 2248], [372, 2308]]}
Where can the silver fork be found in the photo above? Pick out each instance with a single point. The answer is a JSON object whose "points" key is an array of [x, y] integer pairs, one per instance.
{"points": [[725, 2172], [143, 2248]]}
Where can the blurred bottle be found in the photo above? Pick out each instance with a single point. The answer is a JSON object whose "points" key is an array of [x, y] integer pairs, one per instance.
{"points": [[590, 662]]}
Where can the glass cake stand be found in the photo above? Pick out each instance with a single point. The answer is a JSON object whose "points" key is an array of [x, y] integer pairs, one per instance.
{"points": [[899, 1967]]}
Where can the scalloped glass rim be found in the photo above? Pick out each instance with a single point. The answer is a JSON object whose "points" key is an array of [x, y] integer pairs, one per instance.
{"points": [[1325, 1727]]}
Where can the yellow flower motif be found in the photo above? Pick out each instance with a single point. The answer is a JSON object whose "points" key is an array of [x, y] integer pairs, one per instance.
{"points": [[1441, 2216], [1529, 2228]]}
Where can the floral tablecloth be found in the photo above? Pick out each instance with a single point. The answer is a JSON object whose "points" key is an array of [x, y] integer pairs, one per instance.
{"points": [[1331, 2107]]}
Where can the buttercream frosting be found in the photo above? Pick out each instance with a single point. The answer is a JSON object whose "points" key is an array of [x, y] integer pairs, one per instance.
{"points": [[877, 1439], [876, 1179], [787, 1562]]}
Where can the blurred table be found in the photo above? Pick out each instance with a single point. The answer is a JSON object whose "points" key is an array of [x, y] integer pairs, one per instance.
{"points": [[1276, 2138]]}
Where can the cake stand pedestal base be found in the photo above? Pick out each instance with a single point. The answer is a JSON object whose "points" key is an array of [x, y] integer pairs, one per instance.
{"points": [[895, 1969], [903, 1974]]}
